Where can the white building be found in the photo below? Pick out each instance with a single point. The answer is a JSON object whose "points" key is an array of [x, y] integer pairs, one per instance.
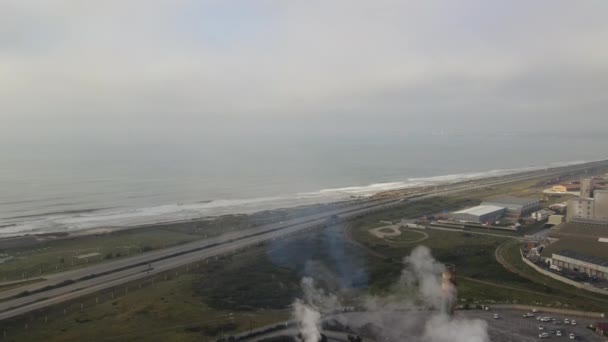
{"points": [[542, 215]]}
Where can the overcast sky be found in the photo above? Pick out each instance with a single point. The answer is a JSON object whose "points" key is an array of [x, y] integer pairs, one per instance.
{"points": [[136, 70]]}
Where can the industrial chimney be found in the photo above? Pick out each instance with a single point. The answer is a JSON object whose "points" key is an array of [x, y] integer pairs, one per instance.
{"points": [[448, 288]]}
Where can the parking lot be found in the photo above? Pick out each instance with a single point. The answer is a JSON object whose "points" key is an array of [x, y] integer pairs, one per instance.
{"points": [[511, 326]]}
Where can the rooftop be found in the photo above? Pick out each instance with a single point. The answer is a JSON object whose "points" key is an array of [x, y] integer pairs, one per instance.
{"points": [[583, 257], [512, 200], [480, 210]]}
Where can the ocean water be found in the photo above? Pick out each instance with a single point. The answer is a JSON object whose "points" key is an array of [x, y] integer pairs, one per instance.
{"points": [[67, 187]]}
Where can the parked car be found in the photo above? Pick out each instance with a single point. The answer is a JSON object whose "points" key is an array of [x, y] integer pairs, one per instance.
{"points": [[543, 335]]}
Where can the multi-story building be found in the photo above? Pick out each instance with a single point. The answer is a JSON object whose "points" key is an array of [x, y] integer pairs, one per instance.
{"points": [[600, 210], [580, 208], [587, 187], [592, 208]]}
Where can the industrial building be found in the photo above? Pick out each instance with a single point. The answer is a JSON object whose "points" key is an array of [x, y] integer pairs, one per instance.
{"points": [[581, 208], [559, 207], [479, 214], [601, 205], [542, 215], [591, 206], [582, 263], [555, 220], [515, 207], [587, 188]]}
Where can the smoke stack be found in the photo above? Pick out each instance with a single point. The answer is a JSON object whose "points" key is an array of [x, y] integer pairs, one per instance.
{"points": [[448, 288]]}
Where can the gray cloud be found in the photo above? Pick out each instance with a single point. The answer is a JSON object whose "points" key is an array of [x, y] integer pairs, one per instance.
{"points": [[122, 67]]}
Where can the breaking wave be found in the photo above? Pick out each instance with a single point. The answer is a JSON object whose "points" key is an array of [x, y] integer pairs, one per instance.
{"points": [[70, 221]]}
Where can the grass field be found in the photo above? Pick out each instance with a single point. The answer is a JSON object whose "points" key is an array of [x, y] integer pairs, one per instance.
{"points": [[60, 255], [232, 294], [480, 276], [165, 311]]}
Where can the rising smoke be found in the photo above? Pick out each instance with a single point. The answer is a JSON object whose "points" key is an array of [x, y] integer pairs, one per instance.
{"points": [[307, 311], [415, 312]]}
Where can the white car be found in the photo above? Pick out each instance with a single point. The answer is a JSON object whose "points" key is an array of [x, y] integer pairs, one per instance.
{"points": [[496, 316], [573, 322], [545, 319], [540, 327], [558, 333], [543, 335], [572, 336], [566, 321]]}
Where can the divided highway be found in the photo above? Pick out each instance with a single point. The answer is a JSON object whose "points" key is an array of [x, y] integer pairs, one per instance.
{"points": [[69, 285]]}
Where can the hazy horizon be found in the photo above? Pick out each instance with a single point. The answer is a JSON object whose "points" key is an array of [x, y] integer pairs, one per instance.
{"points": [[148, 104], [190, 72]]}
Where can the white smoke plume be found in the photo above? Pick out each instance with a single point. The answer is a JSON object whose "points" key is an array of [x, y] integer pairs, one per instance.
{"points": [[441, 328], [414, 312], [307, 312], [423, 271], [309, 321]]}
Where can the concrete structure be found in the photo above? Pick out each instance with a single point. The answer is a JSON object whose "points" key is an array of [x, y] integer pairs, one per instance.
{"points": [[601, 205], [448, 289], [579, 262], [559, 207], [479, 214], [542, 215], [515, 207], [556, 220], [590, 210], [580, 208], [587, 187]]}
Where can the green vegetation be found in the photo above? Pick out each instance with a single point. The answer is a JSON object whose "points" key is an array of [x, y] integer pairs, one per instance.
{"points": [[164, 311], [62, 254], [480, 276], [248, 285]]}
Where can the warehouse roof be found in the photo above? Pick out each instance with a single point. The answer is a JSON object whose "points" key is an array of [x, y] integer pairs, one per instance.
{"points": [[511, 202], [480, 210], [583, 257]]}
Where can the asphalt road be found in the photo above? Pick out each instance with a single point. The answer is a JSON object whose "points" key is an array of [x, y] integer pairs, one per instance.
{"points": [[512, 327], [107, 275], [509, 327]]}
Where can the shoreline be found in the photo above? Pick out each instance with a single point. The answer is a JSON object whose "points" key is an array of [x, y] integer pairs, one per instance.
{"points": [[380, 195]]}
